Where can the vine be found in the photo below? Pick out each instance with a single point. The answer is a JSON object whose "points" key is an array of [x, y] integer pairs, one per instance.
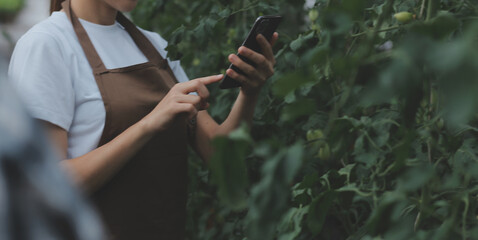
{"points": [[366, 131]]}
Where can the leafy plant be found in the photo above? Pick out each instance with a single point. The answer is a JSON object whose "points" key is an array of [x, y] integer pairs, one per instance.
{"points": [[9, 9], [366, 131]]}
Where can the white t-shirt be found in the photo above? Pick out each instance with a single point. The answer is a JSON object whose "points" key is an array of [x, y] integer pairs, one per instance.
{"points": [[54, 79]]}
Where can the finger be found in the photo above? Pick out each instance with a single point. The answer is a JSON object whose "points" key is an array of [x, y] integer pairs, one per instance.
{"points": [[203, 93], [238, 62], [266, 47], [191, 99], [274, 38], [188, 109], [210, 79], [238, 77], [195, 84], [256, 58]]}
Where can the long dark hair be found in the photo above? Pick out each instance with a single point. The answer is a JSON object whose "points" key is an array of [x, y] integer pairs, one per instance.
{"points": [[55, 5]]}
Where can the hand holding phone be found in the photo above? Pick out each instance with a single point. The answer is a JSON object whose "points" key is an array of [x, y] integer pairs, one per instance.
{"points": [[265, 25]]}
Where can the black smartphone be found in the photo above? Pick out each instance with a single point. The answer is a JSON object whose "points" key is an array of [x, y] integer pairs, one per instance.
{"points": [[265, 25]]}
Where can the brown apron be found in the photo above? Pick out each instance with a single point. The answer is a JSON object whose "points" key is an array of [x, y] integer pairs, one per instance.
{"points": [[146, 199]]}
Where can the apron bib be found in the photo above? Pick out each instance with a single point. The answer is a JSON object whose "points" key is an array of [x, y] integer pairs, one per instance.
{"points": [[146, 199]]}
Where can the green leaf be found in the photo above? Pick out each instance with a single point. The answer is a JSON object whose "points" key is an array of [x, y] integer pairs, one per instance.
{"points": [[416, 177], [397, 174], [289, 83], [10, 6], [346, 171], [225, 12], [298, 109], [228, 168], [439, 27], [300, 41], [270, 197], [291, 225], [319, 209], [310, 180]]}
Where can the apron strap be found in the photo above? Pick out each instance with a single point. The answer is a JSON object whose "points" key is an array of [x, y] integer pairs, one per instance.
{"points": [[146, 47], [85, 42], [149, 51]]}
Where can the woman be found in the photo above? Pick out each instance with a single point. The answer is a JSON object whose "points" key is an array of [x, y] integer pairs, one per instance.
{"points": [[121, 114]]}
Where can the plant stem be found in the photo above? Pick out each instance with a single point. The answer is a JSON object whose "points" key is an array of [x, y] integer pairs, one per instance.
{"points": [[351, 81], [422, 8], [430, 109], [417, 221], [465, 211], [432, 9], [387, 10], [421, 208], [381, 30]]}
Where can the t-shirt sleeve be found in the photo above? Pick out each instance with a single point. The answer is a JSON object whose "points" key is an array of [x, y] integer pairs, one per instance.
{"points": [[42, 79]]}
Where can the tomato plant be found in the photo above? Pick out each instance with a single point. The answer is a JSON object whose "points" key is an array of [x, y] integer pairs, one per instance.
{"points": [[366, 131]]}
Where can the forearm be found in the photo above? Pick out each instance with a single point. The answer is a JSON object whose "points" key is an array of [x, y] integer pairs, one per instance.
{"points": [[93, 169], [207, 129], [241, 112]]}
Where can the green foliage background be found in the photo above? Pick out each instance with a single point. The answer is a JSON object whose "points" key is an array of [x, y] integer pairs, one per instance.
{"points": [[366, 131]]}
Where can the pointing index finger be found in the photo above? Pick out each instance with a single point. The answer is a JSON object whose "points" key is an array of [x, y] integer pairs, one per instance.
{"points": [[194, 85], [210, 79]]}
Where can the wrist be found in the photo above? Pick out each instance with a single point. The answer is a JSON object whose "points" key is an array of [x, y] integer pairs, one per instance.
{"points": [[250, 94], [146, 127]]}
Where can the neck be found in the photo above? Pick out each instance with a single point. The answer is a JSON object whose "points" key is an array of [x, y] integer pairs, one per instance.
{"points": [[94, 11]]}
